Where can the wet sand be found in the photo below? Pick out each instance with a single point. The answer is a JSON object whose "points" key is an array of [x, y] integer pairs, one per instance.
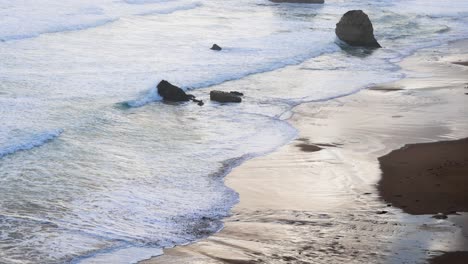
{"points": [[451, 258], [316, 200], [463, 63], [430, 178], [427, 178]]}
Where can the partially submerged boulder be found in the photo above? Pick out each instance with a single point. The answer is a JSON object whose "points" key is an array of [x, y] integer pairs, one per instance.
{"points": [[299, 1], [355, 29], [225, 97], [171, 92], [216, 47]]}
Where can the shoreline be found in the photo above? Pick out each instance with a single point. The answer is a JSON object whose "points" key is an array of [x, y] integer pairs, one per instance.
{"points": [[266, 215], [429, 178]]}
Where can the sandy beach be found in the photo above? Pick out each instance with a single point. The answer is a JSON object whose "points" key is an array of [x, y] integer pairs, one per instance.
{"points": [[321, 198], [427, 178], [201, 131]]}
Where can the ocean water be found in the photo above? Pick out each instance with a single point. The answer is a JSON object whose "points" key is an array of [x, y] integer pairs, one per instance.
{"points": [[95, 168]]}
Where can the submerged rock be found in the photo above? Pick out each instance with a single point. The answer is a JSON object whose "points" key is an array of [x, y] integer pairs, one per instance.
{"points": [[355, 29], [199, 102], [299, 1], [224, 97], [216, 47]]}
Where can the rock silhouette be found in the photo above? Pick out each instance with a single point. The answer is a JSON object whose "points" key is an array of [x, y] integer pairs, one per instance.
{"points": [[355, 29]]}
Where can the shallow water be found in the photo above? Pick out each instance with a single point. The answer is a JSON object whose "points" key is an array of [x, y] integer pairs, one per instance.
{"points": [[93, 164]]}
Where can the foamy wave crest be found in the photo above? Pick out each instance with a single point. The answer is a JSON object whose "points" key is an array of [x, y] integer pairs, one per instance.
{"points": [[57, 29], [35, 141], [151, 96], [142, 2], [221, 77], [171, 10]]}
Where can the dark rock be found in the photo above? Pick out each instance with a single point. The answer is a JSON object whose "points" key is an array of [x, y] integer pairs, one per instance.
{"points": [[224, 97], [299, 1], [171, 92], [355, 29], [199, 102], [440, 216], [236, 93], [381, 212], [216, 47]]}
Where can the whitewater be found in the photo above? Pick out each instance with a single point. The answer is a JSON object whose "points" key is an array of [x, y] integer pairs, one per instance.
{"points": [[95, 168]]}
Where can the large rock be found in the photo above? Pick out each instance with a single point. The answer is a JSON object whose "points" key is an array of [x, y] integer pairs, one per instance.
{"points": [[299, 1], [224, 97], [171, 92], [355, 29]]}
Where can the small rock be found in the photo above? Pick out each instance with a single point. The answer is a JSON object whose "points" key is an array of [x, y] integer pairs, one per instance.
{"points": [[216, 47], [381, 212], [440, 216], [224, 97], [199, 102]]}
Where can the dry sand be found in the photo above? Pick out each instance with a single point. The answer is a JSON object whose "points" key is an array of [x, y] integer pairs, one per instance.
{"points": [[316, 199]]}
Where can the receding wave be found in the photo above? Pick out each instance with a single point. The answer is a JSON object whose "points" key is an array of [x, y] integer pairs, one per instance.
{"points": [[57, 29], [152, 95], [167, 11], [33, 142], [59, 17]]}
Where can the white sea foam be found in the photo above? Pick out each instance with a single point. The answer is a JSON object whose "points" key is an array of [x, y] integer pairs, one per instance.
{"points": [[151, 177], [30, 143], [151, 95], [247, 57], [31, 18], [123, 256]]}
